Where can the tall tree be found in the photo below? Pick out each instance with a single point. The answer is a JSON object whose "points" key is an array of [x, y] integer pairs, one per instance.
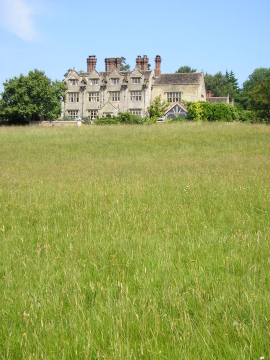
{"points": [[259, 99], [124, 66], [185, 69], [256, 78], [31, 97], [218, 83]]}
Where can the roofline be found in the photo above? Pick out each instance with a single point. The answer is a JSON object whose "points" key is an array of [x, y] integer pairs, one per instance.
{"points": [[177, 84]]}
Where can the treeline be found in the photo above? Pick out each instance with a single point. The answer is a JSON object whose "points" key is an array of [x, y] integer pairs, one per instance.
{"points": [[253, 96]]}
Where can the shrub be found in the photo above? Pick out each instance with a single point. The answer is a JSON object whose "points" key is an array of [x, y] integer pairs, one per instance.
{"points": [[212, 112], [199, 111]]}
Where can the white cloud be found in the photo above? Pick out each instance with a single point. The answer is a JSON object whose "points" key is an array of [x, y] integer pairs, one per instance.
{"points": [[17, 17]]}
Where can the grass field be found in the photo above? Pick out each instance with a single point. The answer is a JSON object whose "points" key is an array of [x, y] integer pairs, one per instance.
{"points": [[135, 242]]}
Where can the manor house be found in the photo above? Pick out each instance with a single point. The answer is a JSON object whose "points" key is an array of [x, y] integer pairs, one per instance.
{"points": [[96, 94]]}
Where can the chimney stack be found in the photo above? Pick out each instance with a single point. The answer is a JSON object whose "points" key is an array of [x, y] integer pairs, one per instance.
{"points": [[157, 67], [118, 63], [139, 62], [145, 62], [91, 63], [208, 93], [111, 63]]}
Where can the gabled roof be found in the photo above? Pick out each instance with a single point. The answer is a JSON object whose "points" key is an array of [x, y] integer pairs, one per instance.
{"points": [[177, 103], [114, 73], [178, 79], [94, 72], [72, 73], [136, 71], [108, 105]]}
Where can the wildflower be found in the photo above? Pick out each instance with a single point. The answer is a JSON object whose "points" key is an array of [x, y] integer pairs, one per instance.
{"points": [[24, 334], [235, 323], [159, 352], [38, 305]]}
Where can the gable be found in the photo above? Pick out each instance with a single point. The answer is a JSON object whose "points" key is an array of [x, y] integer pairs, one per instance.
{"points": [[176, 110], [93, 74], [136, 73], [108, 107], [73, 75], [115, 74]]}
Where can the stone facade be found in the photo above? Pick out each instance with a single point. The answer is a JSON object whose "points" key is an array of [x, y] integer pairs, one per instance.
{"points": [[97, 94]]}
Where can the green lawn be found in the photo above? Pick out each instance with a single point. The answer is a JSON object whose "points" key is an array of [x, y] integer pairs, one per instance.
{"points": [[135, 242]]}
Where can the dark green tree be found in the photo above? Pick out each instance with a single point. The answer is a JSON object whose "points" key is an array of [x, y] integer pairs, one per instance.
{"points": [[124, 66], [218, 83], [31, 97], [258, 76], [259, 99], [185, 69]]}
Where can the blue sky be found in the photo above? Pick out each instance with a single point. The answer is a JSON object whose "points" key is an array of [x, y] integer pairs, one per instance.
{"points": [[54, 36]]}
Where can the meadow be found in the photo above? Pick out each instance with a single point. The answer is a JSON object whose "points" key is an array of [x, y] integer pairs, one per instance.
{"points": [[135, 242]]}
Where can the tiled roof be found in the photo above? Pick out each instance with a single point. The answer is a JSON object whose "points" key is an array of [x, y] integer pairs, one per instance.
{"points": [[178, 79], [146, 73], [213, 100]]}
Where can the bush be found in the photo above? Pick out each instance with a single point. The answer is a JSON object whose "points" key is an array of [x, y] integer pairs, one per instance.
{"points": [[212, 112], [124, 118], [107, 121], [200, 111]]}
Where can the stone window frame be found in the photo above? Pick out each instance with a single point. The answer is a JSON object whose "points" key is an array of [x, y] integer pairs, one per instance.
{"points": [[94, 81], [92, 114], [73, 97], [135, 96], [136, 80], [136, 111], [174, 96], [93, 96], [114, 96], [73, 82], [72, 113], [114, 81]]}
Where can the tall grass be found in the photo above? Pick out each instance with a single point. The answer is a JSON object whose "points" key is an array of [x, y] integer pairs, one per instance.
{"points": [[135, 242]]}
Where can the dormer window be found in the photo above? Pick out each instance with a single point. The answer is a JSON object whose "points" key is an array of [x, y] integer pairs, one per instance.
{"points": [[136, 80], [114, 81], [94, 81], [173, 97], [73, 82]]}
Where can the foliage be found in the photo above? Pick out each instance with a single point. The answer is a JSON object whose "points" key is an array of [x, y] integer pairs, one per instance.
{"points": [[125, 242], [259, 100], [222, 85], [217, 83], [258, 76], [124, 66], [31, 97], [200, 110], [124, 118], [223, 112], [157, 107], [218, 111], [185, 69]]}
